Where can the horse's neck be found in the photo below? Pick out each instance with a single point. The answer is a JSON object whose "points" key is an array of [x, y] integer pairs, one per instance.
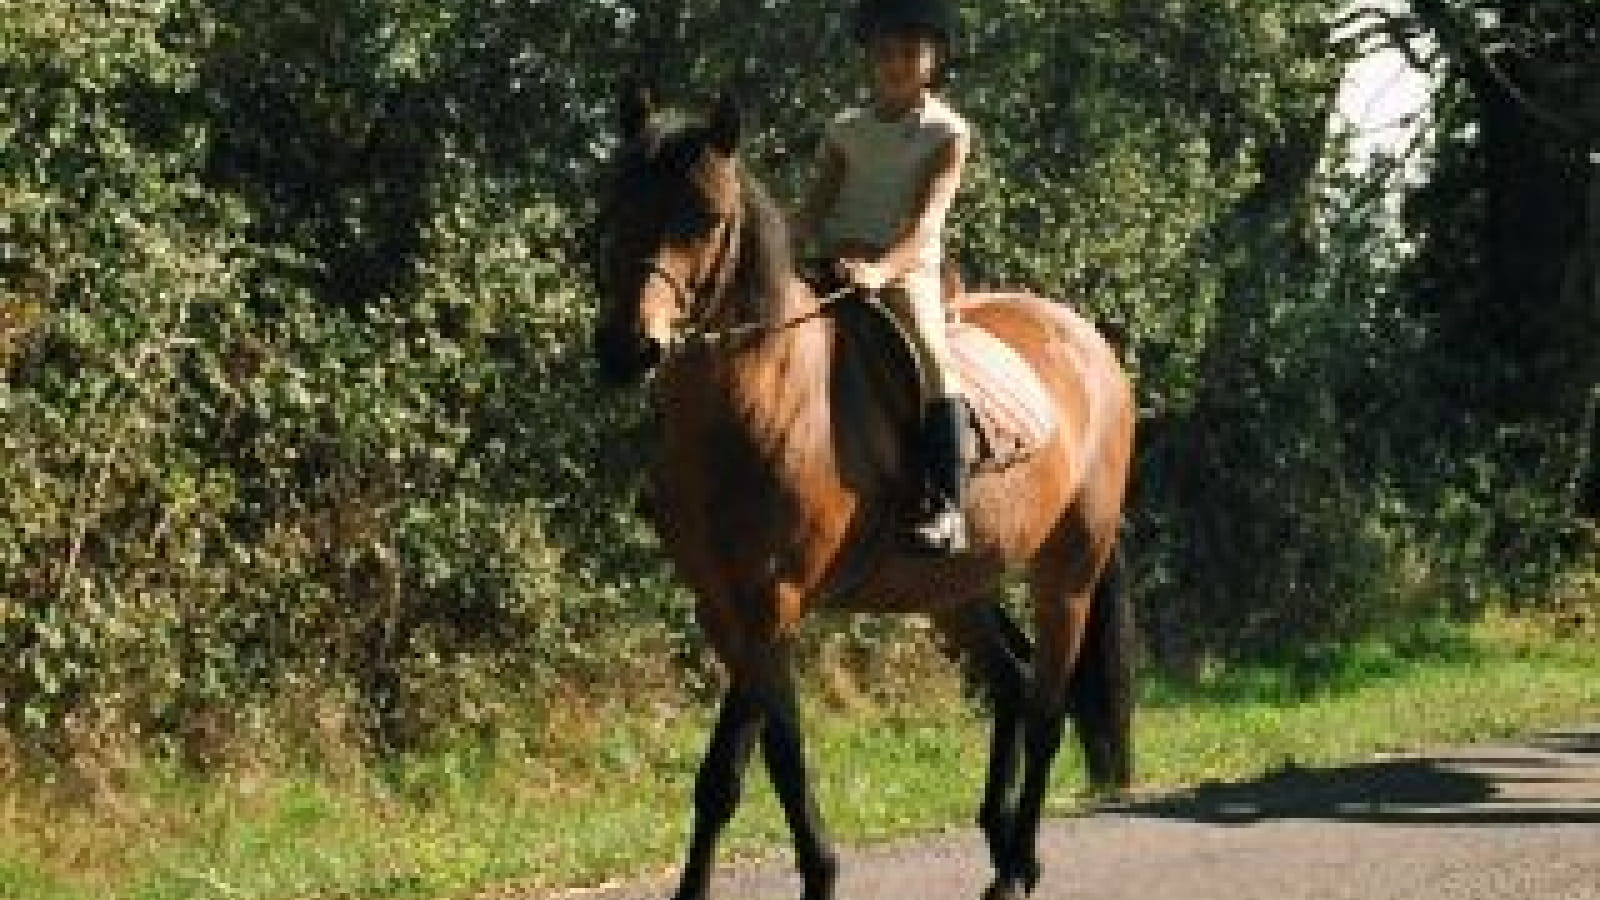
{"points": [[769, 390], [787, 365]]}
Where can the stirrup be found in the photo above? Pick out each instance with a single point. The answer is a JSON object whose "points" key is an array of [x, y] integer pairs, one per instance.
{"points": [[944, 533]]}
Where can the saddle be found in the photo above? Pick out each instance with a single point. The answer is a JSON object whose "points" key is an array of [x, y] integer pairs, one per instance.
{"points": [[1011, 413]]}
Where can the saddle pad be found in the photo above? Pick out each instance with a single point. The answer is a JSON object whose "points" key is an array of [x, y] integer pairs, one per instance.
{"points": [[1012, 413]]}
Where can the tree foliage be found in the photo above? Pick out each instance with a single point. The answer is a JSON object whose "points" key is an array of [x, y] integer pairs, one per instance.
{"points": [[1507, 274], [294, 335]]}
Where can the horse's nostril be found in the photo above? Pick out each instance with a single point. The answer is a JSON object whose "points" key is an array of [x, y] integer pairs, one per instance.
{"points": [[651, 352]]}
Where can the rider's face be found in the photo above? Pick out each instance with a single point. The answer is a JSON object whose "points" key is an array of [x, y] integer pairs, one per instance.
{"points": [[903, 63]]}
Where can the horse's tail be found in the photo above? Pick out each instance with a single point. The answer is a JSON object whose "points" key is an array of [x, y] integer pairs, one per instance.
{"points": [[1102, 690]]}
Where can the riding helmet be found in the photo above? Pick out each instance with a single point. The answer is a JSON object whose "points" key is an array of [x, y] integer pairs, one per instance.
{"points": [[937, 16]]}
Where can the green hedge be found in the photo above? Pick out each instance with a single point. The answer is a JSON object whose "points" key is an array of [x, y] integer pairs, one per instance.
{"points": [[296, 325]]}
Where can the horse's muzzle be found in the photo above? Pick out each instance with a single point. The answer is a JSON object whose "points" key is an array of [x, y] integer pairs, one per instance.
{"points": [[626, 356]]}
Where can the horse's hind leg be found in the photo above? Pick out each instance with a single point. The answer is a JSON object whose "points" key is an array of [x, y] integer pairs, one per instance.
{"points": [[1062, 584], [1102, 686], [996, 651]]}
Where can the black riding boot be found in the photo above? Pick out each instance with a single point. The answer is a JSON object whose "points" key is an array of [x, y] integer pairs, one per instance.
{"points": [[943, 530]]}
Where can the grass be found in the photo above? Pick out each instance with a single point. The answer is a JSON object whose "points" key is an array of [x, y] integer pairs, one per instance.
{"points": [[604, 793]]}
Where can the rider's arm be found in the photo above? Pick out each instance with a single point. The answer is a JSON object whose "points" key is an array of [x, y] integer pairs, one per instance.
{"points": [[824, 192], [938, 190]]}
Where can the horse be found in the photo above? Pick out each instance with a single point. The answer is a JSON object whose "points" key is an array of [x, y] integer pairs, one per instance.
{"points": [[777, 463]]}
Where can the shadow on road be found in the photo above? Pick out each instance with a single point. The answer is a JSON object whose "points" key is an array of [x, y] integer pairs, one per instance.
{"points": [[1571, 742], [1549, 782]]}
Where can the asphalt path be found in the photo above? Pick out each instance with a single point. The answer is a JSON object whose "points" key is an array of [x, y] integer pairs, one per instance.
{"points": [[1492, 822]]}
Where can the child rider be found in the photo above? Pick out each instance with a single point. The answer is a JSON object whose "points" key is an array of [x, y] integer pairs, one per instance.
{"points": [[888, 174]]}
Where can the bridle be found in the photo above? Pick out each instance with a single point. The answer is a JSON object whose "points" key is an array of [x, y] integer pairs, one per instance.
{"points": [[698, 301], [695, 302]]}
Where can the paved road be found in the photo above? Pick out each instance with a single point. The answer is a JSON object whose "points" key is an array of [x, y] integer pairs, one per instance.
{"points": [[1497, 822]]}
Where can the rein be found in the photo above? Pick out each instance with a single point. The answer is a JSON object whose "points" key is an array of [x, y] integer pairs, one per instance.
{"points": [[693, 336], [688, 334]]}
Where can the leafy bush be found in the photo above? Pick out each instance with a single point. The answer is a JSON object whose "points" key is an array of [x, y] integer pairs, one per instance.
{"points": [[295, 342]]}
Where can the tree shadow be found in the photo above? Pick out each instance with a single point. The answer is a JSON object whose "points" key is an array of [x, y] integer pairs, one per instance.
{"points": [[1518, 786]]}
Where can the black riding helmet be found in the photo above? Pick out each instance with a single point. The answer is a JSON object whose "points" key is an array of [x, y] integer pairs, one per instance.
{"points": [[938, 17]]}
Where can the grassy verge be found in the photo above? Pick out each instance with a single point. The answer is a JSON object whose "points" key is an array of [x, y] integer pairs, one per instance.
{"points": [[604, 794]]}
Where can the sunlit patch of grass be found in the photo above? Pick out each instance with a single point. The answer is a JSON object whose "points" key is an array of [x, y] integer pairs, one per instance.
{"points": [[603, 792], [20, 880]]}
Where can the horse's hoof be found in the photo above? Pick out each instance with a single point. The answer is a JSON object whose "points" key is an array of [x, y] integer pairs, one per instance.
{"points": [[820, 881], [1004, 890], [693, 892], [1016, 885]]}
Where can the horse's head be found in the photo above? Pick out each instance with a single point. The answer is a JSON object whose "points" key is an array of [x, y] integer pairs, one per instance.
{"points": [[669, 230]]}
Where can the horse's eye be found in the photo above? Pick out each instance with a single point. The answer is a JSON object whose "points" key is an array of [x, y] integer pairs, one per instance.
{"points": [[691, 222]]}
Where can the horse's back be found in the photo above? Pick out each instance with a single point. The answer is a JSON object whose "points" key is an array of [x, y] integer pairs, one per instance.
{"points": [[1071, 487], [1079, 368], [1055, 339]]}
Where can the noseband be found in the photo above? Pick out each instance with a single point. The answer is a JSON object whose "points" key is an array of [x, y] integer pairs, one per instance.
{"points": [[696, 302]]}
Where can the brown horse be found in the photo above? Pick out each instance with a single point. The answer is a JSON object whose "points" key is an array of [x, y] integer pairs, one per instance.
{"points": [[777, 472]]}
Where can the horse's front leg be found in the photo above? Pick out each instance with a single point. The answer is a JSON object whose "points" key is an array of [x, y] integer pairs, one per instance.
{"points": [[717, 788], [785, 754]]}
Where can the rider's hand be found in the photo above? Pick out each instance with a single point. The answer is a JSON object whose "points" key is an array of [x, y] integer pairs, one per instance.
{"points": [[864, 273]]}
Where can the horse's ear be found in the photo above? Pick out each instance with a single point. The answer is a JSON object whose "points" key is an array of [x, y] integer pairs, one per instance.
{"points": [[725, 124], [637, 104]]}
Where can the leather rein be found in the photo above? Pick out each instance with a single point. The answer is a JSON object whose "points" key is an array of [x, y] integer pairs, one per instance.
{"points": [[689, 331]]}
